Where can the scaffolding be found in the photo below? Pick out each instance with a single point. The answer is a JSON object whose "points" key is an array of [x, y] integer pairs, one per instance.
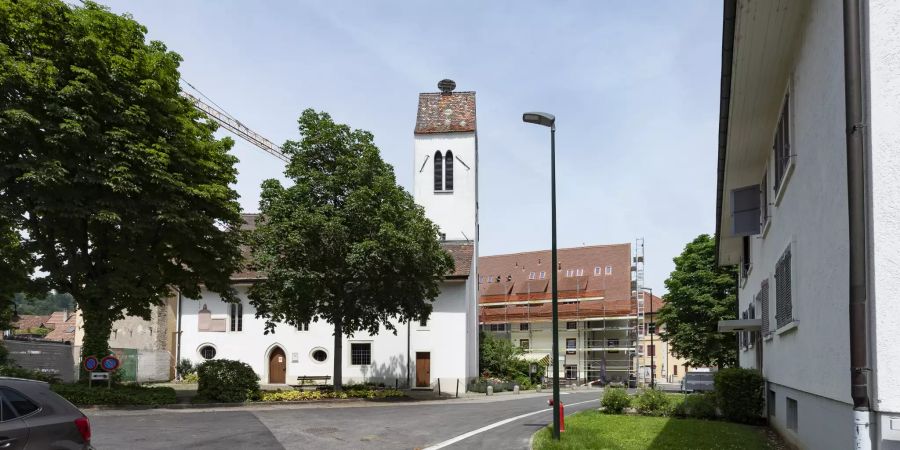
{"points": [[637, 292]]}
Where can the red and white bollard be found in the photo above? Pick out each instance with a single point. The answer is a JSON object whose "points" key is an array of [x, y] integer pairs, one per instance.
{"points": [[562, 414]]}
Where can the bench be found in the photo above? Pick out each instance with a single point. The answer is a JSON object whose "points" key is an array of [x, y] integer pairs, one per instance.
{"points": [[316, 381]]}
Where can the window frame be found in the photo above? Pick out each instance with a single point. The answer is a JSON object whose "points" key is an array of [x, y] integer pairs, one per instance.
{"points": [[3, 397], [236, 317], [209, 346], [438, 171], [571, 350], [352, 355], [448, 171], [571, 325], [526, 342], [531, 276], [543, 275], [524, 326], [319, 349], [567, 367], [783, 160], [609, 270], [782, 323]]}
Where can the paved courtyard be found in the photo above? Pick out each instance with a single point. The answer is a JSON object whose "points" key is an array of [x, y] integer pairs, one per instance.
{"points": [[498, 422]]}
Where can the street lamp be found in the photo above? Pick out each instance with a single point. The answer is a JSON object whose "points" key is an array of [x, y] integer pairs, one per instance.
{"points": [[548, 120]]}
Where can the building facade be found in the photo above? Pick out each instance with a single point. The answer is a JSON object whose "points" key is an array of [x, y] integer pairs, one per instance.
{"points": [[784, 211], [601, 328], [441, 351]]}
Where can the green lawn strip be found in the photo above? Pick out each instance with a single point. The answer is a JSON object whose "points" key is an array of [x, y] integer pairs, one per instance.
{"points": [[595, 430]]}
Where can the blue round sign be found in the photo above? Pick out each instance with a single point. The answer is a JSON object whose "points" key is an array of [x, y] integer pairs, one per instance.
{"points": [[90, 363], [109, 363]]}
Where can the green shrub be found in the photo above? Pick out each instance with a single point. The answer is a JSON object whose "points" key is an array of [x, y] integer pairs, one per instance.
{"points": [[19, 372], [653, 402], [524, 382], [615, 400], [191, 378], [698, 406], [739, 394], [226, 381], [82, 395], [185, 367]]}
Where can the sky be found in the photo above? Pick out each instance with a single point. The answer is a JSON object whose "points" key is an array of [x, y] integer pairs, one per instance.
{"points": [[634, 87]]}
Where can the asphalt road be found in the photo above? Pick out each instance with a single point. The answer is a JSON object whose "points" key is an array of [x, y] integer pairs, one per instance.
{"points": [[361, 425]]}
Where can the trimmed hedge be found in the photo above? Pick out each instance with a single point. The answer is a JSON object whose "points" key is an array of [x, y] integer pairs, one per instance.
{"points": [[739, 394], [226, 381], [19, 372], [615, 400], [653, 402], [82, 395], [289, 396], [697, 406]]}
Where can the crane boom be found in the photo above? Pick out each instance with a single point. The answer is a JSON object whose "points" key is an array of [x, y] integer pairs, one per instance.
{"points": [[236, 127]]}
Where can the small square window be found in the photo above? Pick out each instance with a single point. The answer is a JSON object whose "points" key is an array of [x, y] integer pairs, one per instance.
{"points": [[609, 270], [579, 272], [543, 275], [523, 327], [570, 272], [570, 346], [360, 354], [571, 372], [523, 343], [423, 322], [571, 325], [303, 326], [490, 279], [531, 276], [792, 422], [598, 270]]}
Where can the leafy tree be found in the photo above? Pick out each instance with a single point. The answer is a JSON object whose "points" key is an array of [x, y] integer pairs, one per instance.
{"points": [[700, 295], [42, 306], [15, 266], [500, 358], [344, 244], [111, 179]]}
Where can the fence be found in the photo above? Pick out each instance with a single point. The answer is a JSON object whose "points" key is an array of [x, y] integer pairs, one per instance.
{"points": [[47, 357]]}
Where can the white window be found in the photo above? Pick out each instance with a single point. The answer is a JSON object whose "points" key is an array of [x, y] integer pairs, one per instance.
{"points": [[490, 279], [570, 272], [543, 275], [579, 272], [237, 316], [360, 353], [598, 270], [571, 372], [531, 276], [609, 270]]}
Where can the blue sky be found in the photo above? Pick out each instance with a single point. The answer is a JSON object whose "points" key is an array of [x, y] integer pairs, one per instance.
{"points": [[634, 87]]}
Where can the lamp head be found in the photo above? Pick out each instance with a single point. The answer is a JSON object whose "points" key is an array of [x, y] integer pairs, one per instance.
{"points": [[540, 118]]}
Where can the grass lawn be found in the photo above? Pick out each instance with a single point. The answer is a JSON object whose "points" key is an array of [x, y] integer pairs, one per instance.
{"points": [[595, 430]]}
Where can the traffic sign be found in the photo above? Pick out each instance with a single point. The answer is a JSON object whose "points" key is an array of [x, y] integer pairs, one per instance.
{"points": [[109, 363], [99, 376], [91, 363]]}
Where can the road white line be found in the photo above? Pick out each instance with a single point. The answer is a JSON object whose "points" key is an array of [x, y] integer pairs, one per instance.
{"points": [[495, 425]]}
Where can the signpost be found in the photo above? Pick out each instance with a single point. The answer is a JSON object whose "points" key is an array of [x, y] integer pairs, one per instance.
{"points": [[108, 364]]}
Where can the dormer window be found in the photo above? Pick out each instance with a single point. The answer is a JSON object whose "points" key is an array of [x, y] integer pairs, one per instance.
{"points": [[443, 171]]}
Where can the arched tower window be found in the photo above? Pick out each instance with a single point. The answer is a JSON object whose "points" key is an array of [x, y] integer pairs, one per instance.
{"points": [[438, 171], [448, 171]]}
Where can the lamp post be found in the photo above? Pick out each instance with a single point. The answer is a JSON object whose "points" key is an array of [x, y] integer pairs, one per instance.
{"points": [[548, 120]]}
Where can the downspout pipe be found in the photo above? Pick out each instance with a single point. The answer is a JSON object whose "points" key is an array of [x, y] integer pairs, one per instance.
{"points": [[856, 205]]}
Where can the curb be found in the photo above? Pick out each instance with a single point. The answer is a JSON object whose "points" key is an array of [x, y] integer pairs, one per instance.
{"points": [[238, 405]]}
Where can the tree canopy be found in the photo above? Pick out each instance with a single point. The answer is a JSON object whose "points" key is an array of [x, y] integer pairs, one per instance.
{"points": [[111, 179], [344, 244], [700, 295]]}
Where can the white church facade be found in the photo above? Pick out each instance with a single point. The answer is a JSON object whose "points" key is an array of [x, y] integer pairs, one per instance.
{"points": [[440, 352]]}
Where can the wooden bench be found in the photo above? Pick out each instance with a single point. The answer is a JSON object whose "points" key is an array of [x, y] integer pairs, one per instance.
{"points": [[315, 381]]}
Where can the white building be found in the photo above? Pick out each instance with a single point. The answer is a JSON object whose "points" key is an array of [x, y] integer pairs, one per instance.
{"points": [[443, 351], [785, 209]]}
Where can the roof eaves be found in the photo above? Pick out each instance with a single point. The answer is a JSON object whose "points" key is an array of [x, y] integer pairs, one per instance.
{"points": [[729, 13]]}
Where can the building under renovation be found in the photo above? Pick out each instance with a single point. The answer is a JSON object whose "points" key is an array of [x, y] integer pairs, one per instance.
{"points": [[601, 309]]}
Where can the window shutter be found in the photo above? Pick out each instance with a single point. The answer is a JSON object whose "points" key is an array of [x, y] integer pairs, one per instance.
{"points": [[763, 300], [448, 171], [784, 313], [745, 211], [438, 171]]}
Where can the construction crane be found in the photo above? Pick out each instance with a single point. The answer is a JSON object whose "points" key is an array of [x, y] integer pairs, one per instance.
{"points": [[235, 126]]}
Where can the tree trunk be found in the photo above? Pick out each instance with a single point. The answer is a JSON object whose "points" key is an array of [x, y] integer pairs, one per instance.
{"points": [[97, 327], [338, 359]]}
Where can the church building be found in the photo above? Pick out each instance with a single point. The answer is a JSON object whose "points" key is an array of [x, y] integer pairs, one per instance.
{"points": [[442, 351]]}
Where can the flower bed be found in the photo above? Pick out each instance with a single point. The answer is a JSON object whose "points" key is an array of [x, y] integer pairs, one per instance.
{"points": [[290, 396]]}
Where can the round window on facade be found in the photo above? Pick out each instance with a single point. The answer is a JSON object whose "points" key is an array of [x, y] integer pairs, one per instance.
{"points": [[319, 355], [208, 352]]}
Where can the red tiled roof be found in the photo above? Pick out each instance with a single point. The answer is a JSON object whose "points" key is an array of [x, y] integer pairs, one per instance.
{"points": [[29, 321], [611, 293], [64, 331], [452, 112], [462, 252]]}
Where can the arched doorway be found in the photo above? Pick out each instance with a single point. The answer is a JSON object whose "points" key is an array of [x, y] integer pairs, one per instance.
{"points": [[277, 366]]}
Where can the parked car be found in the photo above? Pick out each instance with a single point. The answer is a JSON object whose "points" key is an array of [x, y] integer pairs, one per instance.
{"points": [[34, 417]]}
